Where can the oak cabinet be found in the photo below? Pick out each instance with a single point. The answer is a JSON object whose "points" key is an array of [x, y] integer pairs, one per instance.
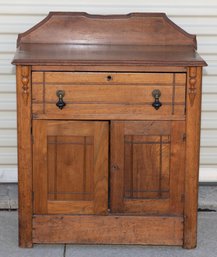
{"points": [[108, 130]]}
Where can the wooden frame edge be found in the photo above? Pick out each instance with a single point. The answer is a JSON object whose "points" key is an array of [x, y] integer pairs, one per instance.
{"points": [[193, 116], [24, 155], [111, 229]]}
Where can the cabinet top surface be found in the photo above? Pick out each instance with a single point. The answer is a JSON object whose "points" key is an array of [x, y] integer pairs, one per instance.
{"points": [[81, 39]]}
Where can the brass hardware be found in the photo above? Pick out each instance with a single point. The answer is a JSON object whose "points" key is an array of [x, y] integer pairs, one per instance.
{"points": [[156, 94], [60, 94]]}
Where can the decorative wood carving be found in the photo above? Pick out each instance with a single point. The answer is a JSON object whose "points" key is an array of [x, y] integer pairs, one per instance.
{"points": [[25, 83], [192, 91]]}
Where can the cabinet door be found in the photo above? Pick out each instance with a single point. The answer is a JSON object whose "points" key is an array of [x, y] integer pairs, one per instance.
{"points": [[70, 160], [147, 167]]}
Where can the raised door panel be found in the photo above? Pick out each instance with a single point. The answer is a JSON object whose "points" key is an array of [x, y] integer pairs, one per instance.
{"points": [[146, 162], [70, 167], [147, 167]]}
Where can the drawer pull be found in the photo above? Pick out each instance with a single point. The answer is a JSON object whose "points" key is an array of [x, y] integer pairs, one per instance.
{"points": [[60, 94], [156, 94]]}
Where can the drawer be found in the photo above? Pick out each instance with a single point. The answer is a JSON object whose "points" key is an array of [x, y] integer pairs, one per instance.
{"points": [[107, 95]]}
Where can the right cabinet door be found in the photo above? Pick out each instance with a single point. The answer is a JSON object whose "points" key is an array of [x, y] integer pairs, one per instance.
{"points": [[147, 167]]}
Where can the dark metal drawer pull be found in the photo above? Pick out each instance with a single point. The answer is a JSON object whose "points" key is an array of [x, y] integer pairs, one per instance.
{"points": [[60, 94], [156, 94]]}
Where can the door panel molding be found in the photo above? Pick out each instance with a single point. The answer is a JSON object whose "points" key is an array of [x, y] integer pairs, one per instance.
{"points": [[147, 166], [70, 167]]}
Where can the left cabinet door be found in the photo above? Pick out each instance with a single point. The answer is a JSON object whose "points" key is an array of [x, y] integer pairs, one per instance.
{"points": [[70, 167]]}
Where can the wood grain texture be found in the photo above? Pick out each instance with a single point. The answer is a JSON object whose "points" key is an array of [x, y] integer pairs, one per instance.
{"points": [[108, 112], [192, 158], [124, 94], [177, 166], [24, 155], [107, 55], [70, 207], [150, 172], [108, 66], [109, 78], [91, 92], [40, 170], [70, 167], [102, 117], [107, 29], [101, 158], [104, 40], [144, 161], [116, 166], [108, 230]]}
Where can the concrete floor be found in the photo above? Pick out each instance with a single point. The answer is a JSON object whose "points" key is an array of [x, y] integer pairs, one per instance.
{"points": [[207, 234]]}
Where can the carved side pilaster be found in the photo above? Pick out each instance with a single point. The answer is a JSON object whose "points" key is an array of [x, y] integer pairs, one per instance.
{"points": [[192, 156], [24, 138], [25, 83], [192, 90]]}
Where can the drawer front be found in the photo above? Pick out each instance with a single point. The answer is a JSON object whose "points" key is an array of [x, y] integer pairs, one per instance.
{"points": [[108, 95]]}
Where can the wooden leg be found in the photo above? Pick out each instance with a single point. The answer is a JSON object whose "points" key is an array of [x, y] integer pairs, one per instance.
{"points": [[192, 156], [24, 155]]}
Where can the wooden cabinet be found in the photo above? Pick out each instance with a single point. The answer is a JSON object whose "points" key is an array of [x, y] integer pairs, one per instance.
{"points": [[108, 130]]}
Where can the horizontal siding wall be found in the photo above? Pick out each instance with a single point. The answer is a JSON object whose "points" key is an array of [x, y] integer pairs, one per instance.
{"points": [[196, 17]]}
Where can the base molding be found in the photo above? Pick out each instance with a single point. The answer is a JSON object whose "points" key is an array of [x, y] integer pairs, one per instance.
{"points": [[91, 229]]}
